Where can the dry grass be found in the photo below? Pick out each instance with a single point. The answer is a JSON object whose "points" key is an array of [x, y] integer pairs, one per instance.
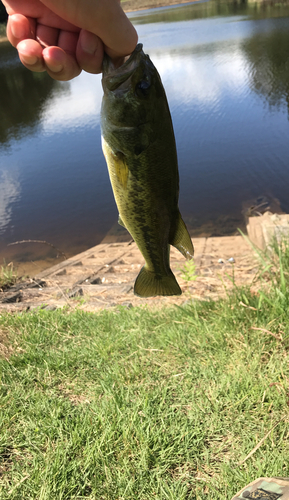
{"points": [[5, 344]]}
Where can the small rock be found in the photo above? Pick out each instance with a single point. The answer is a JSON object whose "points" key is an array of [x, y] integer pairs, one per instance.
{"points": [[95, 281], [231, 260], [220, 261]]}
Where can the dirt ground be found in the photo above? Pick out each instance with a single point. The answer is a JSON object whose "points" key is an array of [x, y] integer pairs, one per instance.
{"points": [[104, 276]]}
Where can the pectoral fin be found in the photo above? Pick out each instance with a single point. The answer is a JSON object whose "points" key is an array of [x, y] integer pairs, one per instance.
{"points": [[121, 170], [181, 239], [117, 166]]}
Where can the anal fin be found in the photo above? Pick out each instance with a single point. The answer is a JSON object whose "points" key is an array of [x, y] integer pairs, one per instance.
{"points": [[182, 240]]}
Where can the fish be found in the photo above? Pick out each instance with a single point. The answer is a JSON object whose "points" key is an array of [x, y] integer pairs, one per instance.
{"points": [[139, 146]]}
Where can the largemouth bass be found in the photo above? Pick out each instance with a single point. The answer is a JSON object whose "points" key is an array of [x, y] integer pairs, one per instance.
{"points": [[139, 147]]}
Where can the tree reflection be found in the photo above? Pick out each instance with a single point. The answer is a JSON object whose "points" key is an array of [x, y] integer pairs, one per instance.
{"points": [[203, 9], [268, 56], [185, 12], [3, 13], [23, 95]]}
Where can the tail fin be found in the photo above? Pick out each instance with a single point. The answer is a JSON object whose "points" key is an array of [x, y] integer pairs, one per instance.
{"points": [[182, 240], [147, 284]]}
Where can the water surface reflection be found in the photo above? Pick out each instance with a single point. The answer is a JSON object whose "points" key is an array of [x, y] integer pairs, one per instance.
{"points": [[23, 95], [267, 54], [9, 193]]}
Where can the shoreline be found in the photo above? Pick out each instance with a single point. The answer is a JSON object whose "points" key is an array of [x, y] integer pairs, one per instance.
{"points": [[134, 5], [104, 275]]}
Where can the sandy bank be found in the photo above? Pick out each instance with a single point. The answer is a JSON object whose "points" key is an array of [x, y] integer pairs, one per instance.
{"points": [[103, 276]]}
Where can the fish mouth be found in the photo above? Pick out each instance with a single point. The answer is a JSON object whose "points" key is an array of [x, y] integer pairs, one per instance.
{"points": [[113, 78]]}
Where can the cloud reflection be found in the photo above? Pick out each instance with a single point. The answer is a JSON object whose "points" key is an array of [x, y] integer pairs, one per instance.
{"points": [[9, 193], [76, 106], [201, 79], [187, 77]]}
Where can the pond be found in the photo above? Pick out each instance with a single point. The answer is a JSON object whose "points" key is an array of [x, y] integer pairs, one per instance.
{"points": [[225, 69]]}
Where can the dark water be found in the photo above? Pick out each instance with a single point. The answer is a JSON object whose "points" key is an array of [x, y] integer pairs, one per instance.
{"points": [[226, 72]]}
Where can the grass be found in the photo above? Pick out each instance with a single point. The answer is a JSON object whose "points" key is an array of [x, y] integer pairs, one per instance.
{"points": [[189, 271], [142, 404], [8, 275]]}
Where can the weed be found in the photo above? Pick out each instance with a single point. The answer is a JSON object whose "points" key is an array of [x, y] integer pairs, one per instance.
{"points": [[8, 275], [189, 271]]}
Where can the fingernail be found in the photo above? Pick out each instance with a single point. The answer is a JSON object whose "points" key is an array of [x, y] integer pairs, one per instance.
{"points": [[89, 42], [29, 60]]}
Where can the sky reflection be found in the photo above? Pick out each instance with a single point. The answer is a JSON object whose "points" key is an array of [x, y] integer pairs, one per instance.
{"points": [[76, 106], [191, 80], [10, 190], [188, 74]]}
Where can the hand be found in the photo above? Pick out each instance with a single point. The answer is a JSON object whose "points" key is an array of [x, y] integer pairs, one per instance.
{"points": [[64, 37]]}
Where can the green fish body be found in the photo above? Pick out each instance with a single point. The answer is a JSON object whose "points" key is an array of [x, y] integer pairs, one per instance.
{"points": [[139, 146]]}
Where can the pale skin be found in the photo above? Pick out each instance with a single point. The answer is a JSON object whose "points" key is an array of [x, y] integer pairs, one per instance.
{"points": [[64, 37]]}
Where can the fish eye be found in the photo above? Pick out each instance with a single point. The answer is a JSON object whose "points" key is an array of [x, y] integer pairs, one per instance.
{"points": [[142, 88]]}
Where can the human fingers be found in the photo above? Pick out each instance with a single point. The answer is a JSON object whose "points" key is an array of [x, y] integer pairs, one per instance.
{"points": [[30, 54], [84, 51], [20, 28], [104, 18], [35, 9], [89, 52], [60, 62], [31, 51]]}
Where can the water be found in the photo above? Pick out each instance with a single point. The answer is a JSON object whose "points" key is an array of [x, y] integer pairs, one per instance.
{"points": [[226, 73]]}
